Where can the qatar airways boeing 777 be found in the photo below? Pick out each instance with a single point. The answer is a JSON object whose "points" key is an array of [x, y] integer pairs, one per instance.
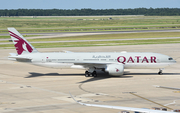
{"points": [[112, 62]]}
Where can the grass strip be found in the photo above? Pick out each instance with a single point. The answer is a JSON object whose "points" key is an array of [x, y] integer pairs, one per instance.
{"points": [[96, 23], [107, 36], [112, 36], [95, 29], [102, 43], [6, 37]]}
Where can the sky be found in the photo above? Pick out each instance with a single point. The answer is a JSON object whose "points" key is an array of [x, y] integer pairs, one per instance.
{"points": [[93, 4]]}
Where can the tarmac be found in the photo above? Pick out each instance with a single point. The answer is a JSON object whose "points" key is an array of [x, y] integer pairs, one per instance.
{"points": [[25, 88]]}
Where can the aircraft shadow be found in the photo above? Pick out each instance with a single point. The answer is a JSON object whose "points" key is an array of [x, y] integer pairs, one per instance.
{"points": [[33, 74], [151, 74], [102, 76], [127, 74]]}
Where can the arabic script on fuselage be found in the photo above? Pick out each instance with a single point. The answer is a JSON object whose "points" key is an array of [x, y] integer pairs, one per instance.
{"points": [[101, 56]]}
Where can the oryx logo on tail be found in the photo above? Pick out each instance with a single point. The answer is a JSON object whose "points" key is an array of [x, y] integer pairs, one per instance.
{"points": [[20, 43]]}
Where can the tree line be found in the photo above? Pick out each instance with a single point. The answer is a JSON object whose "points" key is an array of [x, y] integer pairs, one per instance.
{"points": [[91, 12]]}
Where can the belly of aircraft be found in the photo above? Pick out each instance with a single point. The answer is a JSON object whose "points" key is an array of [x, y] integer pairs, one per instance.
{"points": [[55, 65], [126, 66]]}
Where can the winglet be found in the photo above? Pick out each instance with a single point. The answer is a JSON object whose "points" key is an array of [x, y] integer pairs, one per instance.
{"points": [[156, 86]]}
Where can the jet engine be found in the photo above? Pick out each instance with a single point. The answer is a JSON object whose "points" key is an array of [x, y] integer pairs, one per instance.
{"points": [[115, 69]]}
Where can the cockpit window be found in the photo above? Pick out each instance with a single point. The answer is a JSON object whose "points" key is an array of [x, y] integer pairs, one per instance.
{"points": [[170, 58]]}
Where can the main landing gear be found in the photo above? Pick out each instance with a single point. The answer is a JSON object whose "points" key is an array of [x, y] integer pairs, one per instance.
{"points": [[89, 74], [160, 71]]}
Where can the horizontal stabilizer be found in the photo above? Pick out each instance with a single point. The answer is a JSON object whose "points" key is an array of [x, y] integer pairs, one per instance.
{"points": [[13, 54], [20, 59]]}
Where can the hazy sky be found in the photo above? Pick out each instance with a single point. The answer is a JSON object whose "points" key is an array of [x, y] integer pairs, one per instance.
{"points": [[93, 4]]}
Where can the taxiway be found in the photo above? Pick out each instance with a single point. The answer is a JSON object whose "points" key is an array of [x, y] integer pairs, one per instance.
{"points": [[28, 88]]}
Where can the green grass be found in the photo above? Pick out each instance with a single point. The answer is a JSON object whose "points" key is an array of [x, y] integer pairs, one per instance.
{"points": [[93, 23], [107, 36], [96, 23], [94, 29], [102, 43], [109, 43], [6, 37], [113, 36]]}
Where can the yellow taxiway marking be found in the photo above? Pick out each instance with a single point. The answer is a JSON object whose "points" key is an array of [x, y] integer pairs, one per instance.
{"points": [[151, 101], [176, 91]]}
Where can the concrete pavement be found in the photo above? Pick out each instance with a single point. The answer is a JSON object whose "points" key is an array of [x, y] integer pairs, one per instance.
{"points": [[28, 88]]}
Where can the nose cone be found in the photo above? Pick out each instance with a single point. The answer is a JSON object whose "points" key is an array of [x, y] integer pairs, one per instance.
{"points": [[174, 61]]}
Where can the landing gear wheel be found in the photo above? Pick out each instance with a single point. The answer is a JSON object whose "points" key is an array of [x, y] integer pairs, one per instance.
{"points": [[160, 72], [94, 74], [87, 74]]}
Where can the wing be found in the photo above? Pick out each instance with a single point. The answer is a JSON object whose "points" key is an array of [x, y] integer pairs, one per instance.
{"points": [[167, 87], [123, 108], [94, 64]]}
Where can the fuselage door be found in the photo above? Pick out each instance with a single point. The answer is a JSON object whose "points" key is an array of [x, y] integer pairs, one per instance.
{"points": [[158, 60], [44, 59]]}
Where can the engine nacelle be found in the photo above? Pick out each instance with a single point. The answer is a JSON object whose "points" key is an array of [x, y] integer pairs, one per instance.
{"points": [[115, 69]]}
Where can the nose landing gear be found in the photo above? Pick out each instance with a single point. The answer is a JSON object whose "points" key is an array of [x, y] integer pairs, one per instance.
{"points": [[160, 71]]}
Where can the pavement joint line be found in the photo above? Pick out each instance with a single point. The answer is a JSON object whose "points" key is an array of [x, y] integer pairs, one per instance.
{"points": [[102, 94], [151, 101], [30, 107], [28, 86]]}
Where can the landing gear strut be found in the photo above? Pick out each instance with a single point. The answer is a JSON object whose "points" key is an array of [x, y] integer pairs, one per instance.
{"points": [[160, 71], [88, 74]]}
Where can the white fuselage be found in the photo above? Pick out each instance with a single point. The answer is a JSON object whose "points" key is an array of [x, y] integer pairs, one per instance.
{"points": [[80, 60], [113, 63]]}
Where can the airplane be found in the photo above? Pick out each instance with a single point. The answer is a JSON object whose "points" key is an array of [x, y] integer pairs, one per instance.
{"points": [[112, 62], [142, 110]]}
